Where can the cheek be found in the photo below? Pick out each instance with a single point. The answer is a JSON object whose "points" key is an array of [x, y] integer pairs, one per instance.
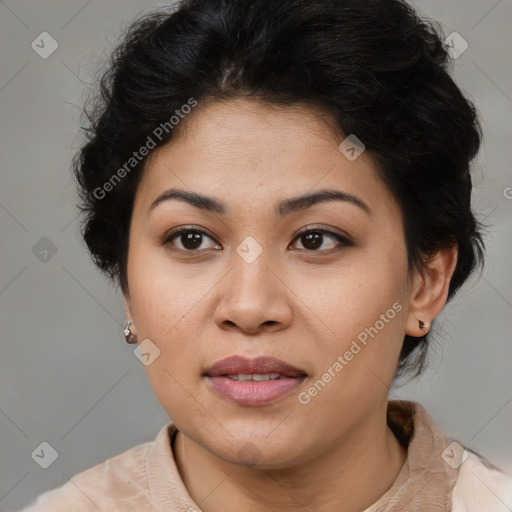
{"points": [[355, 347], [165, 304], [169, 303], [357, 311], [349, 297], [163, 294]]}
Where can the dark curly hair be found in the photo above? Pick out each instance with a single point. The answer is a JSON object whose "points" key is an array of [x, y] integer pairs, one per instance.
{"points": [[375, 66]]}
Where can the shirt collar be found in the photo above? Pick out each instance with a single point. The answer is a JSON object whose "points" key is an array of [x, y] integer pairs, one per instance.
{"points": [[430, 472]]}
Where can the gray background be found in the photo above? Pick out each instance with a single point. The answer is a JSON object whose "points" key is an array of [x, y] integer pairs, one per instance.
{"points": [[68, 378]]}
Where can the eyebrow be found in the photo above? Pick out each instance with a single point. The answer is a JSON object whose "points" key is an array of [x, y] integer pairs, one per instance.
{"points": [[282, 209]]}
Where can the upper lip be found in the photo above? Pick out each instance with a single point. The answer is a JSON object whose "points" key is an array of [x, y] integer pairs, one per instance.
{"points": [[246, 366]]}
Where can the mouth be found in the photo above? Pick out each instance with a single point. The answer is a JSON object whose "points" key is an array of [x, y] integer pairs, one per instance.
{"points": [[254, 367], [257, 377], [254, 382]]}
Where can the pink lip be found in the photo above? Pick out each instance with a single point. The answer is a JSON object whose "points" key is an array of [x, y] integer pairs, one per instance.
{"points": [[245, 365], [253, 393]]}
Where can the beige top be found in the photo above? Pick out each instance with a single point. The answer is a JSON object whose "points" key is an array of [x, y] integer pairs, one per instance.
{"points": [[438, 475]]}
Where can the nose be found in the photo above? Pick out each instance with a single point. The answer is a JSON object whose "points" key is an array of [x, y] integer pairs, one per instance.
{"points": [[253, 298]]}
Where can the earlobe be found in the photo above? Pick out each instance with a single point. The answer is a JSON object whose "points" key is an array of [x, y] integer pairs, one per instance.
{"points": [[130, 334], [430, 291], [424, 327]]}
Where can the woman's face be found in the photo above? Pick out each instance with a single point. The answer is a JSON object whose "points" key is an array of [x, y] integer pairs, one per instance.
{"points": [[251, 285]]}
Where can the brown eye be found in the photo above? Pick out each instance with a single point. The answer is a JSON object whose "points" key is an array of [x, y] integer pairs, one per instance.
{"points": [[190, 239], [313, 239]]}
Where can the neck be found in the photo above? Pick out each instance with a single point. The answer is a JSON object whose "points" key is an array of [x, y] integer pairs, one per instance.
{"points": [[353, 474]]}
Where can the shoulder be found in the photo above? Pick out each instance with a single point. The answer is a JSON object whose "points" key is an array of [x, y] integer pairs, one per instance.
{"points": [[122, 477], [481, 486]]}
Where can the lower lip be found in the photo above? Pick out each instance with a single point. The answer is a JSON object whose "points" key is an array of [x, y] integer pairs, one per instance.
{"points": [[254, 393]]}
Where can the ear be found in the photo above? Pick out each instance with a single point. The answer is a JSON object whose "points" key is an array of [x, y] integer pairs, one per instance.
{"points": [[127, 311], [430, 291]]}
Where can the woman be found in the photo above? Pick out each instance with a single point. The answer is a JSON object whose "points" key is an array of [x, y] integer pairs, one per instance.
{"points": [[282, 191]]}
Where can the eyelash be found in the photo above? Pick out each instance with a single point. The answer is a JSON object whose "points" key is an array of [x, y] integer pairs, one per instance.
{"points": [[342, 239]]}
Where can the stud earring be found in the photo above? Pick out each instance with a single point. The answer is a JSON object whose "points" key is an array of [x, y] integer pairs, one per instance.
{"points": [[129, 336], [423, 327]]}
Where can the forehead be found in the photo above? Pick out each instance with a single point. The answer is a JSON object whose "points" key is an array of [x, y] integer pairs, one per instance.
{"points": [[240, 128], [253, 151]]}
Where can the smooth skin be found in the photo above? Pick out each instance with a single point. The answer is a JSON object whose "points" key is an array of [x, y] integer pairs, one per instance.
{"points": [[299, 302]]}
